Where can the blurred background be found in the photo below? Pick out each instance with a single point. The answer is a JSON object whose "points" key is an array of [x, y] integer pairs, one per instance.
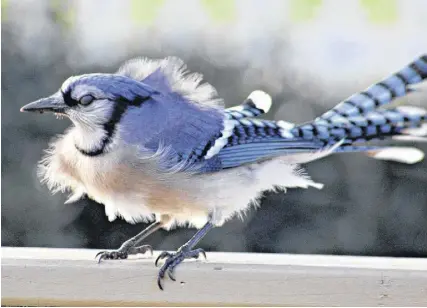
{"points": [[308, 54]]}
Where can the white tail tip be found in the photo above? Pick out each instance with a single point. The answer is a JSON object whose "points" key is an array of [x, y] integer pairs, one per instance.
{"points": [[417, 132], [410, 138], [261, 100], [412, 110], [406, 155]]}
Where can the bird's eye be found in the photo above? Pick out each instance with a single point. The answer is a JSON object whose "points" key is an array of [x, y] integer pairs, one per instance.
{"points": [[86, 100]]}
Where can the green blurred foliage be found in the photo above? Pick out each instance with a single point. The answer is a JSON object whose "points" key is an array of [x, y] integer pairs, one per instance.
{"points": [[220, 11], [380, 11], [303, 10], [144, 12], [64, 13], [4, 4]]}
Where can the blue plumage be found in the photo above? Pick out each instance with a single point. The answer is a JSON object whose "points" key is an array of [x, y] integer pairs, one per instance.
{"points": [[196, 134], [353, 121], [247, 110], [158, 105], [381, 93], [375, 124], [259, 139], [170, 120], [110, 85]]}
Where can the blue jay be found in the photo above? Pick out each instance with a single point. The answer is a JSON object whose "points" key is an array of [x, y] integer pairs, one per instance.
{"points": [[152, 142]]}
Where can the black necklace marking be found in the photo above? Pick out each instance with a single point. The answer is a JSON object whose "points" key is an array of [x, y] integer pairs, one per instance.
{"points": [[120, 108]]}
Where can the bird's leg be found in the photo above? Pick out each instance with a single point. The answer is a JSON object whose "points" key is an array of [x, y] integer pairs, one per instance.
{"points": [[129, 247], [186, 251]]}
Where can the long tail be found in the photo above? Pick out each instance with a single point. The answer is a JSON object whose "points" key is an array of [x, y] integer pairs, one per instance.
{"points": [[381, 93], [378, 124], [358, 119], [348, 127]]}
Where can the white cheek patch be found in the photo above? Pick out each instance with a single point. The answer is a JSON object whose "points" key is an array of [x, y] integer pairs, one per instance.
{"points": [[99, 110]]}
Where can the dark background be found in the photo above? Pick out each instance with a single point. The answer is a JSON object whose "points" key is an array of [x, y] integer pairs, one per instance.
{"points": [[302, 54]]}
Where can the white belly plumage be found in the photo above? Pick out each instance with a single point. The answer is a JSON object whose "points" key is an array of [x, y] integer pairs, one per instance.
{"points": [[128, 188]]}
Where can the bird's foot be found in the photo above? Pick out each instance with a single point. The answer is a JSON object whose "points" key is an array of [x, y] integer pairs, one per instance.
{"points": [[174, 259], [123, 252]]}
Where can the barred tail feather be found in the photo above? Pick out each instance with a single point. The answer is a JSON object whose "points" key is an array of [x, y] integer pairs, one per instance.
{"points": [[346, 128], [378, 124], [406, 122], [401, 123], [381, 93], [381, 124]]}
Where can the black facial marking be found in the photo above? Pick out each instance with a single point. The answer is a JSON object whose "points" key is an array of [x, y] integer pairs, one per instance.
{"points": [[68, 100], [120, 107]]}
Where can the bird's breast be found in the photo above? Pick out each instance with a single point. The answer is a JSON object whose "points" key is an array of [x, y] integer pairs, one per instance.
{"points": [[126, 188]]}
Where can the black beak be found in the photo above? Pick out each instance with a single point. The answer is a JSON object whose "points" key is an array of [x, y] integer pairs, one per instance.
{"points": [[54, 103]]}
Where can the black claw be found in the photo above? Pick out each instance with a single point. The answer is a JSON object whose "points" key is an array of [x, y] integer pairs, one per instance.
{"points": [[100, 258], [159, 283], [161, 256], [171, 275], [111, 255], [99, 253], [173, 260], [102, 255], [123, 252], [157, 260], [203, 253], [150, 249]]}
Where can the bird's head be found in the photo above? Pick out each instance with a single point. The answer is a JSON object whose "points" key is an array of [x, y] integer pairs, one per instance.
{"points": [[95, 103], [91, 100]]}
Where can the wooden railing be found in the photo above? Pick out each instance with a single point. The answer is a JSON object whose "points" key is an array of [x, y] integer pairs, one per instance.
{"points": [[71, 277]]}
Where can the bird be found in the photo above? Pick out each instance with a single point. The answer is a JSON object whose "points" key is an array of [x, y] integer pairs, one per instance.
{"points": [[154, 143]]}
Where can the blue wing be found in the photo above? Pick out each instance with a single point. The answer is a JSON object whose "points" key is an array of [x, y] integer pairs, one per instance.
{"points": [[353, 122], [168, 119], [254, 140]]}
